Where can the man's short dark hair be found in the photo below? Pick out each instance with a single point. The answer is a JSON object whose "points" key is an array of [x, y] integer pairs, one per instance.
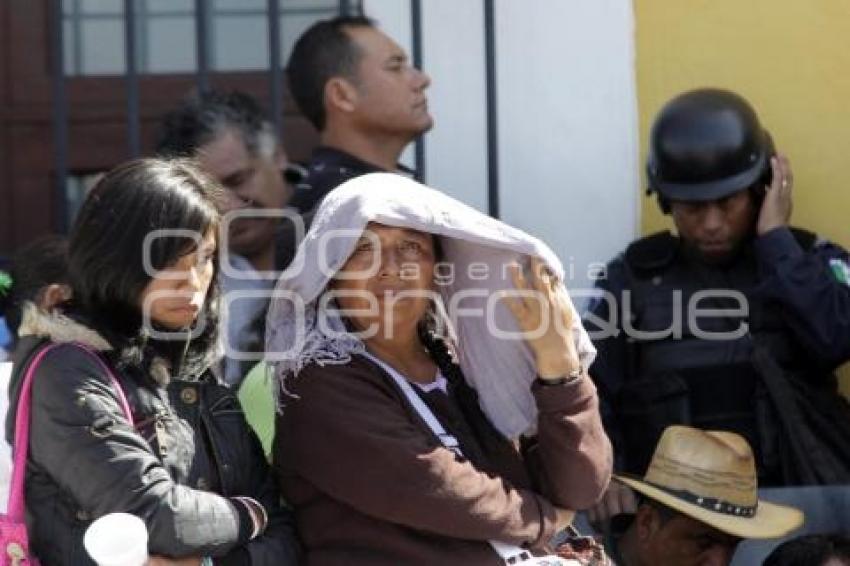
{"points": [[323, 52], [810, 550], [201, 117]]}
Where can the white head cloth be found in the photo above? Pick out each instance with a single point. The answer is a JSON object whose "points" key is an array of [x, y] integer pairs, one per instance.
{"points": [[478, 250]]}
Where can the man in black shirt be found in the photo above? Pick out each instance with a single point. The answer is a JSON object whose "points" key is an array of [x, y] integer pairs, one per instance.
{"points": [[358, 88]]}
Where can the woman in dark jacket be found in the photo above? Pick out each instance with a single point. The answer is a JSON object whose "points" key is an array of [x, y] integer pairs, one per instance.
{"points": [[142, 262]]}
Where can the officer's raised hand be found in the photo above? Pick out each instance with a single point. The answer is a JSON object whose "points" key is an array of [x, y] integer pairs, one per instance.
{"points": [[776, 208]]}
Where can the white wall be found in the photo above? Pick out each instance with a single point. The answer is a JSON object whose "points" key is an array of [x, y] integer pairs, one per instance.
{"points": [[568, 125], [567, 107], [456, 149]]}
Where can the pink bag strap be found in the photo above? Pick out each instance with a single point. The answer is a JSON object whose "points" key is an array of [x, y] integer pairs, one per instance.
{"points": [[22, 426]]}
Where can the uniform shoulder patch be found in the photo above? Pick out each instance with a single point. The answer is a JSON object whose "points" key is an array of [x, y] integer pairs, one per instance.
{"points": [[840, 270]]}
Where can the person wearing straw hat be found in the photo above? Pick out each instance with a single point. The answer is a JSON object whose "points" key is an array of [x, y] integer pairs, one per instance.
{"points": [[697, 501]]}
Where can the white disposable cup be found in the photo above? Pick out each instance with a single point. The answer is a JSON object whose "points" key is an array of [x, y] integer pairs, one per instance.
{"points": [[117, 539]]}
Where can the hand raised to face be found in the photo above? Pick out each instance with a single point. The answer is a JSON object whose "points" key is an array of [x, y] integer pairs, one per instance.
{"points": [[776, 208], [544, 314]]}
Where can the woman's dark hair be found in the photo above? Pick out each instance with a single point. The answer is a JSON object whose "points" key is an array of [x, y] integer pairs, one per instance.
{"points": [[810, 550], [444, 355], [38, 264], [125, 232]]}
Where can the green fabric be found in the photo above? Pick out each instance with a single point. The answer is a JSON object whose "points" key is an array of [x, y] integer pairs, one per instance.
{"points": [[257, 399], [5, 283]]}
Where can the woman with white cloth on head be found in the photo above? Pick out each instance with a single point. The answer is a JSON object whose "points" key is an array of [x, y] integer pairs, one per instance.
{"points": [[416, 426]]}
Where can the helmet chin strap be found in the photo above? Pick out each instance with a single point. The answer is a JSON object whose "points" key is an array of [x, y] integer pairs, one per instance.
{"points": [[663, 203]]}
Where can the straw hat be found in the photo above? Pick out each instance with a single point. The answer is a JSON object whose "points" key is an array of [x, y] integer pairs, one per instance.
{"points": [[710, 476]]}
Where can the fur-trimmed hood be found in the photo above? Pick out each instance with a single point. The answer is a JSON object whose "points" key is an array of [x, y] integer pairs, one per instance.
{"points": [[59, 327]]}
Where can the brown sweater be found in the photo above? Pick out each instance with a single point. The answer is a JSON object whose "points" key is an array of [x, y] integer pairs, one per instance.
{"points": [[372, 485]]}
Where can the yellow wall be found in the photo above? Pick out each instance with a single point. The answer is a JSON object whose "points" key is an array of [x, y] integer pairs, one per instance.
{"points": [[790, 58]]}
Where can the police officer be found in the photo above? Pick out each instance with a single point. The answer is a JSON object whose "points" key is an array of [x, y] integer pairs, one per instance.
{"points": [[737, 322]]}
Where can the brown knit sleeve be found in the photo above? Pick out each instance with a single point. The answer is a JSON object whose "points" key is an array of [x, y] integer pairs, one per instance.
{"points": [[351, 434], [571, 458]]}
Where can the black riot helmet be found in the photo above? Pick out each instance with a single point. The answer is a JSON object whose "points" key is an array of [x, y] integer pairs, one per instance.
{"points": [[707, 144]]}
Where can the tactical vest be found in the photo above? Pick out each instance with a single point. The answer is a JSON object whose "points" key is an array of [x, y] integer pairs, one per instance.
{"points": [[690, 366]]}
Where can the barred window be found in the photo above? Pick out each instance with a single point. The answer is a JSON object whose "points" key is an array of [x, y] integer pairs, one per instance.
{"points": [[165, 29]]}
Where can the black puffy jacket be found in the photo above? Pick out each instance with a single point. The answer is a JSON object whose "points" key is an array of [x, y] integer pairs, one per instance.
{"points": [[189, 452]]}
